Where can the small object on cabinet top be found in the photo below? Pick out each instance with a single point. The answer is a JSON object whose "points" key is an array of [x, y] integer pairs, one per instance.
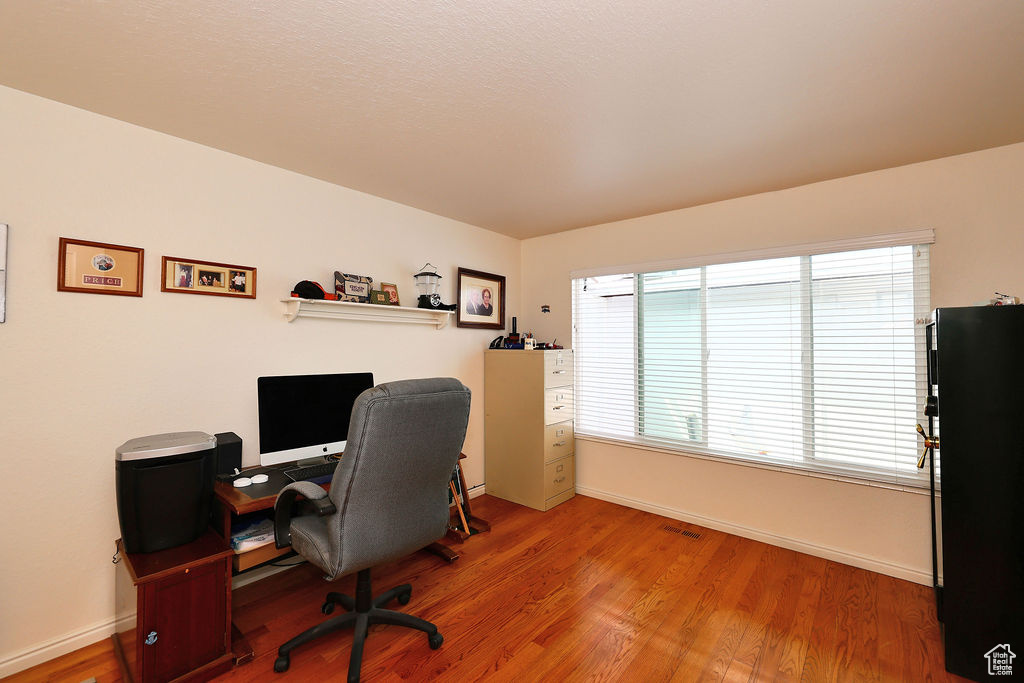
{"points": [[1005, 300]]}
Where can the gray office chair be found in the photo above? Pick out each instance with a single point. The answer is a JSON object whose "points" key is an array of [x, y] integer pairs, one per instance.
{"points": [[388, 498]]}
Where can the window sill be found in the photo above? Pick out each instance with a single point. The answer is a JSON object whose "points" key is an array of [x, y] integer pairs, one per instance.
{"points": [[905, 488]]}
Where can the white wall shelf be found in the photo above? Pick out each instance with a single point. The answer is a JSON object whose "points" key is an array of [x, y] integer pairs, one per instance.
{"points": [[347, 310]]}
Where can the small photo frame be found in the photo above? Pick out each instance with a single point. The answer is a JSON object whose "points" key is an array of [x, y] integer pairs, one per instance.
{"points": [[355, 288], [392, 292], [481, 300], [189, 276], [378, 296], [98, 268]]}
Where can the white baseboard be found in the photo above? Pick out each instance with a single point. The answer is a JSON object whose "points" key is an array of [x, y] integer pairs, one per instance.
{"points": [[828, 553], [62, 645]]}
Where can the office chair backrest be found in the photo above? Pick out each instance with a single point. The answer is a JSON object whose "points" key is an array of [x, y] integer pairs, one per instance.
{"points": [[391, 486]]}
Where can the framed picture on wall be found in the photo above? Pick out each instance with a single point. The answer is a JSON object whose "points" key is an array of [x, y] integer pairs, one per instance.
{"points": [[98, 268], [481, 300], [189, 276]]}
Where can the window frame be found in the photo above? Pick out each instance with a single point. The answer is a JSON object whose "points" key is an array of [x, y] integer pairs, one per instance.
{"points": [[810, 464]]}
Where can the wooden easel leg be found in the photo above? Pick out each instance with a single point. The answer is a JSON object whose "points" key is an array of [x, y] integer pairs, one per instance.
{"points": [[465, 515], [442, 551], [475, 522]]}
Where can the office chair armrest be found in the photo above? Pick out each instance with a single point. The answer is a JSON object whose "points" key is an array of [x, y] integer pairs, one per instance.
{"points": [[283, 508]]}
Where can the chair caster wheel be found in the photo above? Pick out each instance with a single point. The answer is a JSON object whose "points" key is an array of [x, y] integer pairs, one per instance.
{"points": [[403, 598], [435, 640], [327, 607], [281, 664]]}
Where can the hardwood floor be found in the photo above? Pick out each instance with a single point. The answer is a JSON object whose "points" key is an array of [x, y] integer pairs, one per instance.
{"points": [[595, 591]]}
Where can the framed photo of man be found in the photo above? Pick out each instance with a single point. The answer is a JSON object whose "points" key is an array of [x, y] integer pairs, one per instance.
{"points": [[481, 300]]}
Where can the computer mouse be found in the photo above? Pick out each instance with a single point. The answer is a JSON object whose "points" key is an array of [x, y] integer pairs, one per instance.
{"points": [[241, 482], [259, 478]]}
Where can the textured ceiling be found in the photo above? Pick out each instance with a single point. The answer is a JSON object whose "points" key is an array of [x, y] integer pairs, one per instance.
{"points": [[528, 117]]}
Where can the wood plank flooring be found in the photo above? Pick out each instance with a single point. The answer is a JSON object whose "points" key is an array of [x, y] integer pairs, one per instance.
{"points": [[595, 591]]}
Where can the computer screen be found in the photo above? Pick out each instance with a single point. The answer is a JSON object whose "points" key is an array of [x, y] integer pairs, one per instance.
{"points": [[305, 416]]}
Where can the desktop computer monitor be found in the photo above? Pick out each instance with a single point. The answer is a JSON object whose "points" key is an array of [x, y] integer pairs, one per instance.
{"points": [[306, 416]]}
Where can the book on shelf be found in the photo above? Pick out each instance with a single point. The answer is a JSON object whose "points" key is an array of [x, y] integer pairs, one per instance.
{"points": [[252, 534]]}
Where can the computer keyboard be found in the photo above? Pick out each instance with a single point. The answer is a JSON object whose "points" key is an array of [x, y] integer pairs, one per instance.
{"points": [[319, 473]]}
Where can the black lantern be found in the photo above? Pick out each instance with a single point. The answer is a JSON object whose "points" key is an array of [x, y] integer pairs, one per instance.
{"points": [[427, 284]]}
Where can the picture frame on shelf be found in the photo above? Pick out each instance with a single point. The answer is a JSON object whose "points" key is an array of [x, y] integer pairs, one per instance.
{"points": [[192, 276], [392, 292], [481, 300], [351, 287], [378, 296], [99, 268]]}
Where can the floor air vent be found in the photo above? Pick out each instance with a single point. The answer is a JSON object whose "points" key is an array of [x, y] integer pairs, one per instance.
{"points": [[684, 532]]}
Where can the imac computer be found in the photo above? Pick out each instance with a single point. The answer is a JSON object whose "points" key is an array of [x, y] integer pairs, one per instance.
{"points": [[306, 416]]}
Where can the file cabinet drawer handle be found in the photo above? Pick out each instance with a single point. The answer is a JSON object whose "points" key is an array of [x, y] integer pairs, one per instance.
{"points": [[558, 443], [560, 468], [559, 480]]}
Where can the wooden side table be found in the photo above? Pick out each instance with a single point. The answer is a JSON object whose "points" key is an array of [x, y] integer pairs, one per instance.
{"points": [[181, 630]]}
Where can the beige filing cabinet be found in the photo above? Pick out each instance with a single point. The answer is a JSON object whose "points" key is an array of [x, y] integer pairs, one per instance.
{"points": [[528, 435]]}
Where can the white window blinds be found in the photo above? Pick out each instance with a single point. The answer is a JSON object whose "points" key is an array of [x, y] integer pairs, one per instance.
{"points": [[813, 361]]}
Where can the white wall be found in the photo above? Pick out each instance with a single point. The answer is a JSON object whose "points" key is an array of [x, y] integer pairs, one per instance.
{"points": [[974, 203], [82, 373]]}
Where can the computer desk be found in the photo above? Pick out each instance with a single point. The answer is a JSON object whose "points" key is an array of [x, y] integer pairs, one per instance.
{"points": [[231, 503]]}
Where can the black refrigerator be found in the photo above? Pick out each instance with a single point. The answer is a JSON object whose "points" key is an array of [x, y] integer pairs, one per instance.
{"points": [[976, 373]]}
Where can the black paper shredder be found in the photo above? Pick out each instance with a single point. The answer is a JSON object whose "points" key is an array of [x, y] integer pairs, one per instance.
{"points": [[164, 488]]}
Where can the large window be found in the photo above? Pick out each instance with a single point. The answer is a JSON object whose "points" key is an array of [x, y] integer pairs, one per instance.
{"points": [[813, 361]]}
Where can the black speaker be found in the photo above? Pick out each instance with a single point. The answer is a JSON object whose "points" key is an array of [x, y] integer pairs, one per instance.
{"points": [[229, 453]]}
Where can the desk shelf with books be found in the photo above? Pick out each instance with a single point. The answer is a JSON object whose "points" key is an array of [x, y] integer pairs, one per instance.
{"points": [[233, 505]]}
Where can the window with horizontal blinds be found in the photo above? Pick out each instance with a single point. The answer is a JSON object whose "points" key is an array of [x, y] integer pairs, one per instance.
{"points": [[814, 361]]}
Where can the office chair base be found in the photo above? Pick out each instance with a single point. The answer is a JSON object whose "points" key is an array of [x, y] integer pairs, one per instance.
{"points": [[360, 613]]}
